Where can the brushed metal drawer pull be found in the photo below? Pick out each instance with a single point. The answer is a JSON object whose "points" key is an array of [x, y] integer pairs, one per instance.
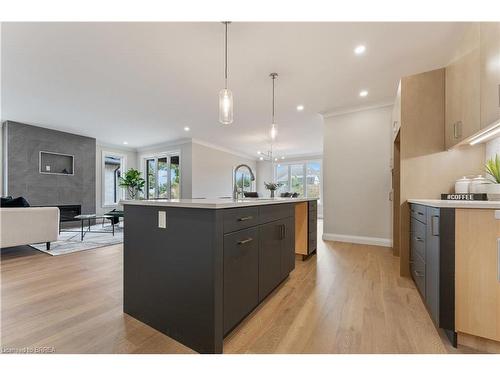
{"points": [[419, 239], [245, 218], [242, 242], [421, 213], [419, 274]]}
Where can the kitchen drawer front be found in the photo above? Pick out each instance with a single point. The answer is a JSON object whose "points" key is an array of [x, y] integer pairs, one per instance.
{"points": [[418, 212], [275, 212], [417, 242], [240, 218], [241, 275], [313, 205], [418, 274]]}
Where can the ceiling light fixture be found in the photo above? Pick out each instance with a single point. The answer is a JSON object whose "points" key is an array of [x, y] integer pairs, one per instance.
{"points": [[187, 128], [300, 108], [225, 95], [363, 93], [125, 142], [274, 127], [359, 50]]}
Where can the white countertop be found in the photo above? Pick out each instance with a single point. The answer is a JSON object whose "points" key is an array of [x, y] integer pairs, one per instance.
{"points": [[213, 203], [494, 205]]}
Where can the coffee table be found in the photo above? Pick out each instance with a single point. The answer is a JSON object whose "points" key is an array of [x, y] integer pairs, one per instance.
{"points": [[90, 217]]}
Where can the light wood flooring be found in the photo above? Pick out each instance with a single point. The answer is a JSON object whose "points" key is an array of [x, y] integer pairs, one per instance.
{"points": [[346, 299]]}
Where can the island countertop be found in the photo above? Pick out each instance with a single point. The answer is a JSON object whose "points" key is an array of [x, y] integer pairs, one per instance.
{"points": [[217, 203], [494, 205]]}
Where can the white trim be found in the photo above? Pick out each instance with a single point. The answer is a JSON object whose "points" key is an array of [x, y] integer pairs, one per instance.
{"points": [[347, 110], [376, 241], [123, 167], [153, 147], [224, 149], [5, 160]]}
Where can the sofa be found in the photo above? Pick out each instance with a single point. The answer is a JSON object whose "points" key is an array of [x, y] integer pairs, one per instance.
{"points": [[28, 225]]}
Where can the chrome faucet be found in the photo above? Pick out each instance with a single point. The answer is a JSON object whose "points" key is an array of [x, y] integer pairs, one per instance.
{"points": [[252, 177]]}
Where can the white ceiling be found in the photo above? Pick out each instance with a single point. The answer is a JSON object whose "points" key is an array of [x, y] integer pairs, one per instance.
{"points": [[143, 82]]}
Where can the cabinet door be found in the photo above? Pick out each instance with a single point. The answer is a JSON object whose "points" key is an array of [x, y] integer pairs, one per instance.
{"points": [[462, 95], [432, 264], [287, 249], [241, 275], [490, 73], [271, 238], [477, 273]]}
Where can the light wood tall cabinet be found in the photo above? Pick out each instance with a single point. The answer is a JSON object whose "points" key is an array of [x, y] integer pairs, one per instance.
{"points": [[490, 72], [462, 92], [477, 273]]}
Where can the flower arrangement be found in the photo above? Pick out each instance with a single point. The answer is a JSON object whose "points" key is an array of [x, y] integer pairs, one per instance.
{"points": [[272, 187]]}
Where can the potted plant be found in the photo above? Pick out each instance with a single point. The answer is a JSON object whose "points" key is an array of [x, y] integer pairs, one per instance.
{"points": [[133, 181], [493, 170], [272, 187]]}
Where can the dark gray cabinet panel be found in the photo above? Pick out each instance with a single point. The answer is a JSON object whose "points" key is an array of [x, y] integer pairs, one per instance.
{"points": [[288, 249], [432, 263], [240, 218], [417, 244], [241, 275], [418, 274], [418, 212], [275, 212], [271, 237]]}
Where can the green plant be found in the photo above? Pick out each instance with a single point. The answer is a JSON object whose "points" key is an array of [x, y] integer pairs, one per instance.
{"points": [[493, 169], [272, 185], [133, 181]]}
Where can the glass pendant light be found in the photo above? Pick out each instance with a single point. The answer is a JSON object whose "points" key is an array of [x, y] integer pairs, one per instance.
{"points": [[225, 95], [274, 126]]}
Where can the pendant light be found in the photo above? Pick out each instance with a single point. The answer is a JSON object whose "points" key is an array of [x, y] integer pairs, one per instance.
{"points": [[225, 95], [274, 127]]}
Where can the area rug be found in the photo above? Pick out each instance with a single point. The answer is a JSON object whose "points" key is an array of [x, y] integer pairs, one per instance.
{"points": [[69, 242]]}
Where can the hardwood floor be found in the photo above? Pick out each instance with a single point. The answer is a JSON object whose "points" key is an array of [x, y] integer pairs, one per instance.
{"points": [[346, 299]]}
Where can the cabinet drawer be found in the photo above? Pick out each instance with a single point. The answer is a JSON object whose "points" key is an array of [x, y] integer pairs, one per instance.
{"points": [[241, 275], [275, 212], [417, 242], [418, 274], [240, 218], [418, 212]]}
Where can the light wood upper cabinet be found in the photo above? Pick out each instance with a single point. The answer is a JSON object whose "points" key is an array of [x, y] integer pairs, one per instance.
{"points": [[490, 72], [462, 93], [477, 284]]}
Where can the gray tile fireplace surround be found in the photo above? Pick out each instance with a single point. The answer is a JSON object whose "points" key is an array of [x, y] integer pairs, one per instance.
{"points": [[22, 146]]}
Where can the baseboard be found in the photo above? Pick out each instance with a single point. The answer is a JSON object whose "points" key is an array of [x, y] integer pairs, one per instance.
{"points": [[386, 242]]}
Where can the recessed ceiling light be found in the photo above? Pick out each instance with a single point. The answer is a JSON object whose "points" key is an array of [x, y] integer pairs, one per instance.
{"points": [[261, 158], [363, 93], [125, 142], [186, 128], [258, 152], [359, 50], [282, 158], [300, 107]]}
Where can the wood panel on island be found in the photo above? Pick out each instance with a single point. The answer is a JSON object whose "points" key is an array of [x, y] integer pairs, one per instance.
{"points": [[198, 277]]}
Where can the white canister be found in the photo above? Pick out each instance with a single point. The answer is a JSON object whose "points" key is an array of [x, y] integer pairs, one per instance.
{"points": [[479, 185], [462, 185]]}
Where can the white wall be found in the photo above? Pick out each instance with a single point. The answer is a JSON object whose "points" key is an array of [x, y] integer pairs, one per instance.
{"points": [[264, 174], [357, 176], [492, 148], [130, 162], [212, 171]]}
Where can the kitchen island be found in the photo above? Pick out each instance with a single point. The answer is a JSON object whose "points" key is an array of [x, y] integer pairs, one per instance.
{"points": [[195, 268]]}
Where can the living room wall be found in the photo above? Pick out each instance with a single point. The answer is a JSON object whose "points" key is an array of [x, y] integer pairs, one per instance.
{"points": [[23, 144]]}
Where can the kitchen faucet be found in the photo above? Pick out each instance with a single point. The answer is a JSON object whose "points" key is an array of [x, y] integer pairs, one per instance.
{"points": [[252, 177]]}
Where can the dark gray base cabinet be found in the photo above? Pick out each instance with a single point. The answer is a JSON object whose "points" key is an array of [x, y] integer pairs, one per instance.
{"points": [[432, 262], [196, 279]]}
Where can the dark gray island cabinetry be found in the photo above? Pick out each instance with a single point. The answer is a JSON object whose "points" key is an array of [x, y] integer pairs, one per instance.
{"points": [[195, 269]]}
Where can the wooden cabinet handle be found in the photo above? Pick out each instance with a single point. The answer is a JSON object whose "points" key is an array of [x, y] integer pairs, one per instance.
{"points": [[242, 242], [245, 218]]}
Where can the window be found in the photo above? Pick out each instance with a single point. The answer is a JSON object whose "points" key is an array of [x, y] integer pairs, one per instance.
{"points": [[303, 178], [163, 177], [112, 167], [244, 179]]}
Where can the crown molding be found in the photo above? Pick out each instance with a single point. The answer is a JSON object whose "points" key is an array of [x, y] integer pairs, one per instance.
{"points": [[223, 149], [347, 110], [173, 143]]}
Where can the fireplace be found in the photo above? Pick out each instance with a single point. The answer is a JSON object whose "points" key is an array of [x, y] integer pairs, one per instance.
{"points": [[69, 211]]}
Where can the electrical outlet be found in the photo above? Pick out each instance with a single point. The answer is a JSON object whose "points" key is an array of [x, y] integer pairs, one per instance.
{"points": [[162, 219], [47, 168]]}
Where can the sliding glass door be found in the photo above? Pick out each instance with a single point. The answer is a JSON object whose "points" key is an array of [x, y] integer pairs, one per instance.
{"points": [[162, 177], [303, 178]]}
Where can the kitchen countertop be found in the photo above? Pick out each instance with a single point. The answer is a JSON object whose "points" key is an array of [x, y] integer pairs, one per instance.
{"points": [[495, 205], [217, 203]]}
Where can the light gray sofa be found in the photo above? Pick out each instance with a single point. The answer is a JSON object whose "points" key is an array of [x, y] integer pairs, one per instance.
{"points": [[28, 225]]}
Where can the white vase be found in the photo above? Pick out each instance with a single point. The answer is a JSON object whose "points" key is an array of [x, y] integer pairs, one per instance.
{"points": [[493, 191]]}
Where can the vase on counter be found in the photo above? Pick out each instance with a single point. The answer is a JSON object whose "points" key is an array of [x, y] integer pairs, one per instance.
{"points": [[272, 193], [493, 191]]}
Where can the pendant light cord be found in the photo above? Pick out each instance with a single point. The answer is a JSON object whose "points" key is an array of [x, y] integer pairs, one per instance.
{"points": [[225, 57], [273, 97]]}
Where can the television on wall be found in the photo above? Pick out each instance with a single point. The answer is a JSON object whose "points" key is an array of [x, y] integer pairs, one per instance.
{"points": [[56, 163]]}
